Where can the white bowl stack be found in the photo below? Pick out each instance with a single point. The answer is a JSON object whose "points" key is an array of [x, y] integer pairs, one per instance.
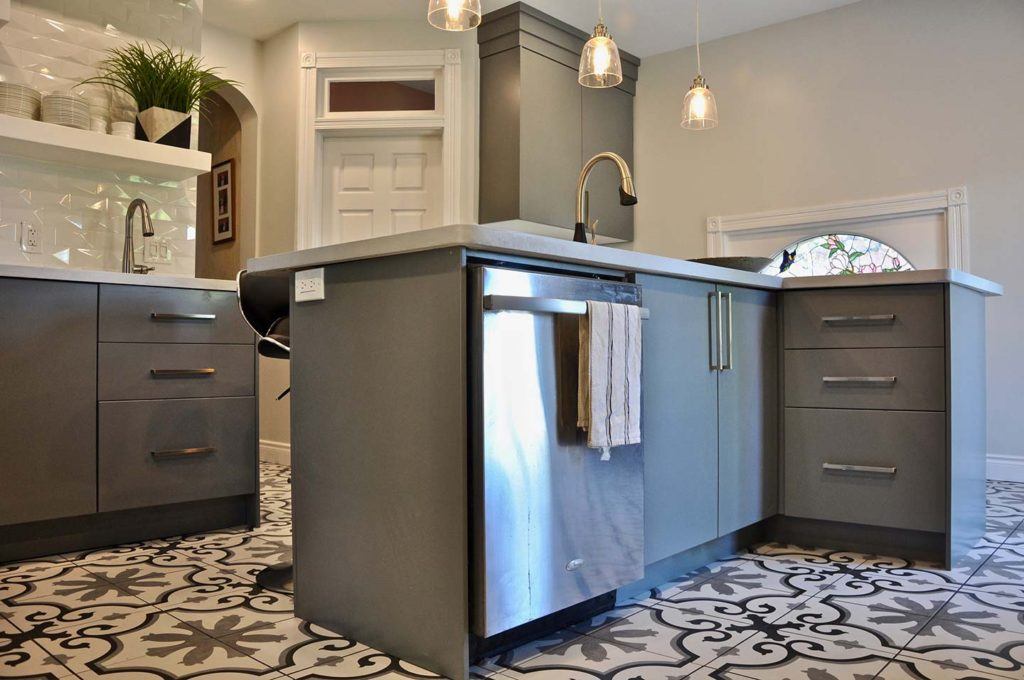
{"points": [[99, 111], [19, 101], [68, 109]]}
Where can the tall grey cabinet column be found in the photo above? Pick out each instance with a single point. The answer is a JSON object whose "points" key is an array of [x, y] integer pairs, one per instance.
{"points": [[680, 417], [748, 415], [48, 423]]}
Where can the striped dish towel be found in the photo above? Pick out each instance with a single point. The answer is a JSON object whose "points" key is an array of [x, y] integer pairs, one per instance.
{"points": [[609, 376]]}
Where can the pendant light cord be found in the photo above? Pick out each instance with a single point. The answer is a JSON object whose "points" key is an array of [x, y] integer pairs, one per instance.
{"points": [[600, 12], [696, 7]]}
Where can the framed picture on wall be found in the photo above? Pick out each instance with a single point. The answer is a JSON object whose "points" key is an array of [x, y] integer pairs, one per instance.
{"points": [[224, 201]]}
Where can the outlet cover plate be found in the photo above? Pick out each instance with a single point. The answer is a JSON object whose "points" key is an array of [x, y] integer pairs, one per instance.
{"points": [[30, 242], [309, 285]]}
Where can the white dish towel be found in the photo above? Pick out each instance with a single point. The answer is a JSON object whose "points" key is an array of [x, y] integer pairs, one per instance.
{"points": [[609, 375]]}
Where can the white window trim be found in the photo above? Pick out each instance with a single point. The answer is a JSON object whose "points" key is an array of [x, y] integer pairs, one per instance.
{"points": [[804, 222], [315, 126]]}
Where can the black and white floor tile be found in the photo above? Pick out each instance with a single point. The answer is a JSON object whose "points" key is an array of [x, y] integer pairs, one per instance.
{"points": [[188, 607]]}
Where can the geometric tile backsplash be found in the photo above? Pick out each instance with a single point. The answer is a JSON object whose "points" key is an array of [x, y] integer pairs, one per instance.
{"points": [[52, 45]]}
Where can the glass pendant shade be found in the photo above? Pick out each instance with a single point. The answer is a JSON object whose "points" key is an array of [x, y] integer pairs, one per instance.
{"points": [[600, 65], [699, 109], [454, 15]]}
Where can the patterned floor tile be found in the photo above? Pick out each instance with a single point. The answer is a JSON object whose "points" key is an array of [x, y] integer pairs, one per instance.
{"points": [[1003, 572], [908, 668], [971, 604], [293, 645], [793, 656], [367, 663], [918, 599], [22, 657], [70, 587], [874, 626], [970, 644]]}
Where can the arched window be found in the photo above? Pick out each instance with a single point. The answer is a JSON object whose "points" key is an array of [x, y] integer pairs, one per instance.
{"points": [[837, 255]]}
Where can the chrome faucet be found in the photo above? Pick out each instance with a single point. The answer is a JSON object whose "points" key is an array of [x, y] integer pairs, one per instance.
{"points": [[627, 192], [128, 265]]}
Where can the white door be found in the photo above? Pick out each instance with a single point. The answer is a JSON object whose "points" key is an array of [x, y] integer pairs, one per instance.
{"points": [[376, 186]]}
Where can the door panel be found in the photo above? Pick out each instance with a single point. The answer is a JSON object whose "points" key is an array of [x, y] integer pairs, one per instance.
{"points": [[680, 432], [376, 186], [48, 419], [748, 463]]}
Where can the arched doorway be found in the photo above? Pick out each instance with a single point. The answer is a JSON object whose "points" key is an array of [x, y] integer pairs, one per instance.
{"points": [[228, 131]]}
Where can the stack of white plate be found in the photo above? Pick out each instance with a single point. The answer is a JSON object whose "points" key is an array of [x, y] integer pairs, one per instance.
{"points": [[19, 101], [71, 110], [99, 111]]}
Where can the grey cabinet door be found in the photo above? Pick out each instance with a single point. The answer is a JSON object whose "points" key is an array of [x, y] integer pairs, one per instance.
{"points": [[680, 425], [549, 141], [748, 415], [48, 414], [608, 126]]}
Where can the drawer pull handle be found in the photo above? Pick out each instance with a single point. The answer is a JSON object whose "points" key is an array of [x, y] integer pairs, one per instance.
{"points": [[859, 380], [182, 372], [872, 469], [172, 316], [183, 453], [860, 319]]}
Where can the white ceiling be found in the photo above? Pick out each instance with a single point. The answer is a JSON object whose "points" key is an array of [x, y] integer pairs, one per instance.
{"points": [[643, 27]]}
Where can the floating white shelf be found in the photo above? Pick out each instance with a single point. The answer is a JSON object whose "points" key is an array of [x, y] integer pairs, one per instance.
{"points": [[51, 143]]}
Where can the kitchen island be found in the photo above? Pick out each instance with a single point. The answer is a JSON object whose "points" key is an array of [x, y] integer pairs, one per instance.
{"points": [[431, 383]]}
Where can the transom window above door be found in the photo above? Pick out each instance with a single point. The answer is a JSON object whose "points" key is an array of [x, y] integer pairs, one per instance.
{"points": [[348, 96]]}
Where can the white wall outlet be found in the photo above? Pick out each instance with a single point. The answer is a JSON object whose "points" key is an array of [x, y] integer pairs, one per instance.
{"points": [[158, 251], [30, 241], [309, 285]]}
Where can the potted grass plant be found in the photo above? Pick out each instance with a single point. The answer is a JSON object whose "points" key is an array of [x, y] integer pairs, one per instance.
{"points": [[167, 85]]}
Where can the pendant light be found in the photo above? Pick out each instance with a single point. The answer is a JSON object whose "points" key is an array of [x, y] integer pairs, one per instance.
{"points": [[454, 15], [600, 65], [700, 112]]}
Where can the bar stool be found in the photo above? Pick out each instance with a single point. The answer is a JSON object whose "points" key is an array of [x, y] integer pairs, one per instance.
{"points": [[263, 300]]}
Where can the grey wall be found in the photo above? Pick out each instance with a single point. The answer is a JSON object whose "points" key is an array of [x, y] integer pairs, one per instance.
{"points": [[877, 98]]}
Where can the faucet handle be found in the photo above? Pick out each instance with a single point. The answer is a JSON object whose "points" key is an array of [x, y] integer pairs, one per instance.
{"points": [[142, 269]]}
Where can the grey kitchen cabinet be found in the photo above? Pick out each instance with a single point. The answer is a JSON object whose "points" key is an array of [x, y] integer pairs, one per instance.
{"points": [[748, 416], [608, 126], [710, 420], [680, 417], [48, 420]]}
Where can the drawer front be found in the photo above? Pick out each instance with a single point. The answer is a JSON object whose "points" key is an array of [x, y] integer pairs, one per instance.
{"points": [[160, 452], [142, 314], [160, 371], [913, 496], [887, 379], [899, 316]]}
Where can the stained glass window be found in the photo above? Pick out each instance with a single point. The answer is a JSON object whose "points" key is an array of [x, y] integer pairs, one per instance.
{"points": [[837, 255]]}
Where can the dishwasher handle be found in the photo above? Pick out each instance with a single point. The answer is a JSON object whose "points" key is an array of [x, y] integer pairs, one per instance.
{"points": [[519, 303]]}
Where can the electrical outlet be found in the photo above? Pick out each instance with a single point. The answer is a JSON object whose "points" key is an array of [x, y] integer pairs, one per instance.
{"points": [[30, 241], [157, 251], [309, 285]]}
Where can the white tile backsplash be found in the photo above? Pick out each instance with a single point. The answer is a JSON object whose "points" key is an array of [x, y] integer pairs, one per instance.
{"points": [[53, 45]]}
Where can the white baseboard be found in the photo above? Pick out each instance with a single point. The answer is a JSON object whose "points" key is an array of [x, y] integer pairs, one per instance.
{"points": [[1006, 468], [275, 452]]}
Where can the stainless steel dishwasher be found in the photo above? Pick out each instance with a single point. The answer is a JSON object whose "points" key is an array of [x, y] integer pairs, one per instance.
{"points": [[553, 524]]}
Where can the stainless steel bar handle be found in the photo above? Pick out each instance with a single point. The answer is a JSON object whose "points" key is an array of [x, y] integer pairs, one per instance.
{"points": [[862, 379], [721, 333], [865, 318], [182, 453], [728, 365], [181, 372], [518, 303], [174, 316], [843, 467], [712, 334]]}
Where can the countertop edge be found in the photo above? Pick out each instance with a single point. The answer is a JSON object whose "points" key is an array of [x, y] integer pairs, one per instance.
{"points": [[484, 239], [17, 271]]}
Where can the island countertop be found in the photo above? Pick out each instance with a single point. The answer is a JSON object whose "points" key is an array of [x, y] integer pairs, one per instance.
{"points": [[17, 271], [489, 240]]}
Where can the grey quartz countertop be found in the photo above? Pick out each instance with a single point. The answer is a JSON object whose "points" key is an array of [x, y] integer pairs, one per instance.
{"points": [[96, 276], [507, 242]]}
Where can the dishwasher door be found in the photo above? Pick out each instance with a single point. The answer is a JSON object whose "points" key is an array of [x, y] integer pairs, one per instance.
{"points": [[553, 524]]}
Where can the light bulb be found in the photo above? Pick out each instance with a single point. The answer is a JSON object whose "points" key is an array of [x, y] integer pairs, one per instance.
{"points": [[454, 15], [600, 65]]}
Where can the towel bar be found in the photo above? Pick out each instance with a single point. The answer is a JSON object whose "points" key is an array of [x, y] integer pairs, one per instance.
{"points": [[520, 303]]}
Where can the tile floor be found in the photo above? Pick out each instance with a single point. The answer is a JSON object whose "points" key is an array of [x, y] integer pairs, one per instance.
{"points": [[188, 607]]}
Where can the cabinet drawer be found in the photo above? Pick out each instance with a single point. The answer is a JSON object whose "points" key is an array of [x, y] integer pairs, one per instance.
{"points": [[160, 452], [899, 316], [161, 371], [911, 379], [143, 314], [911, 443]]}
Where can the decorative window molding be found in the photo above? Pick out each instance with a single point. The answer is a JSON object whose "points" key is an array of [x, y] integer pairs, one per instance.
{"points": [[316, 123], [725, 232]]}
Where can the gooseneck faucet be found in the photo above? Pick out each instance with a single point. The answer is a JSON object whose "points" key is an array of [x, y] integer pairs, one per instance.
{"points": [[128, 265], [627, 192]]}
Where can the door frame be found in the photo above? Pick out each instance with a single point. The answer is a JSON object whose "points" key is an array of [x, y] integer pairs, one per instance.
{"points": [[316, 124]]}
